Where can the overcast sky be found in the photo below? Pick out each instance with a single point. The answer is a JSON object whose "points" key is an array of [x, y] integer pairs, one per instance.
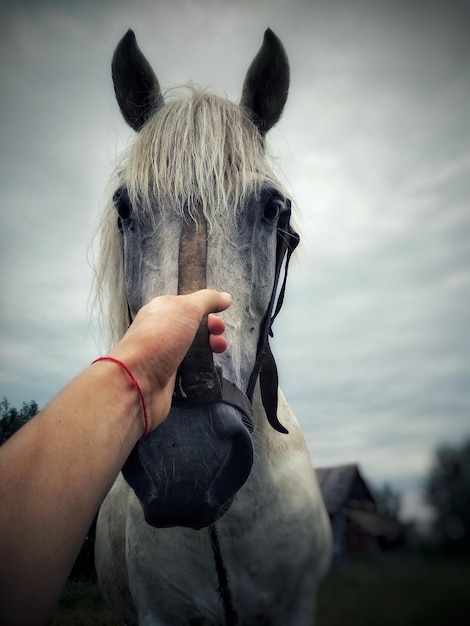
{"points": [[373, 341]]}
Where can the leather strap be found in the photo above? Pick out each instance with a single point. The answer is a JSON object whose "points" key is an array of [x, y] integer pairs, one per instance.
{"points": [[198, 380], [287, 241]]}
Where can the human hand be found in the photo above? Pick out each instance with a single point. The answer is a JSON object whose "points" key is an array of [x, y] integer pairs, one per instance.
{"points": [[159, 338]]}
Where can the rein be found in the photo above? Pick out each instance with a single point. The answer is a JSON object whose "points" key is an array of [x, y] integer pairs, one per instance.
{"points": [[231, 617]]}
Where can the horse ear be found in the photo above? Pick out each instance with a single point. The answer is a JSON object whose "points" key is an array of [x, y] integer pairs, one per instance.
{"points": [[135, 84], [267, 83]]}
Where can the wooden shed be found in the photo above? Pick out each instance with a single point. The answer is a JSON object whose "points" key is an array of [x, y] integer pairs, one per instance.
{"points": [[357, 527]]}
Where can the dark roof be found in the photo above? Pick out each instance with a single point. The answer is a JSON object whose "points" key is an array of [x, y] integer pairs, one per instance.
{"points": [[342, 484]]}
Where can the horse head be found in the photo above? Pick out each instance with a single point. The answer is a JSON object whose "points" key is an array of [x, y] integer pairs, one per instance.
{"points": [[197, 205]]}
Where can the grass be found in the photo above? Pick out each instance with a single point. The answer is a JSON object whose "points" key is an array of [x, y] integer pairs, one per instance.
{"points": [[390, 591], [82, 604], [397, 591]]}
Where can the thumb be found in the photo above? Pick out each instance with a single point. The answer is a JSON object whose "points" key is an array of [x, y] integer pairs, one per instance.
{"points": [[210, 301]]}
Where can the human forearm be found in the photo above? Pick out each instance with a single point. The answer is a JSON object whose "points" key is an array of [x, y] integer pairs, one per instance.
{"points": [[49, 500], [55, 472]]}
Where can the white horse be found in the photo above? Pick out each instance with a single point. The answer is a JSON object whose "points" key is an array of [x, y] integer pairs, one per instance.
{"points": [[218, 518]]}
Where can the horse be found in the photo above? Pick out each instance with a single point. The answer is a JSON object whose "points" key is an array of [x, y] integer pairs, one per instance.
{"points": [[216, 517]]}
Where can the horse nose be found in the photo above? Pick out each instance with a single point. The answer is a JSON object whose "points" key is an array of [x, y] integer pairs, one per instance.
{"points": [[188, 470]]}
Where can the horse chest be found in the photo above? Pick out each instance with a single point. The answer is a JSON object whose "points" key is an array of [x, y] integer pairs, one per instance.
{"points": [[173, 572]]}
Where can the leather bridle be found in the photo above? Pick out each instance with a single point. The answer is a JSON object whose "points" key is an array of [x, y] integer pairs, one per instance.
{"points": [[198, 380]]}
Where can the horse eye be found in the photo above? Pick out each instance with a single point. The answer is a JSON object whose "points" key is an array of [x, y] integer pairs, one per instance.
{"points": [[271, 210], [122, 202]]}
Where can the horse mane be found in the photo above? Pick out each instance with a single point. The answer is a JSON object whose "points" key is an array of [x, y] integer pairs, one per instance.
{"points": [[197, 153]]}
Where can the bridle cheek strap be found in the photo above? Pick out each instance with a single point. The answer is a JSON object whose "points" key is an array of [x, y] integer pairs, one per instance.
{"points": [[265, 366]]}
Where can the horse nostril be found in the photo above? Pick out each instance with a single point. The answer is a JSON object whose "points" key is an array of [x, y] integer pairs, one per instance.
{"points": [[214, 452]]}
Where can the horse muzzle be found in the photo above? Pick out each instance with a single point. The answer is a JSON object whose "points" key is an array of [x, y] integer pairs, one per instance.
{"points": [[188, 470]]}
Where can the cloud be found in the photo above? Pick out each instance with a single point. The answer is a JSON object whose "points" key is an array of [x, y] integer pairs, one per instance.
{"points": [[373, 340]]}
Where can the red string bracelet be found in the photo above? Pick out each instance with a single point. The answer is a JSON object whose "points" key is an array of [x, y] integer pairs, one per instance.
{"points": [[134, 384]]}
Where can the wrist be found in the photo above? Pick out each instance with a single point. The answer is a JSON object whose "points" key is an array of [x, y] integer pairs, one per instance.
{"points": [[155, 383], [131, 394]]}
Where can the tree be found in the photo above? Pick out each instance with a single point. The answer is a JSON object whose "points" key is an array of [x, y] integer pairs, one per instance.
{"points": [[447, 490], [12, 420], [388, 502]]}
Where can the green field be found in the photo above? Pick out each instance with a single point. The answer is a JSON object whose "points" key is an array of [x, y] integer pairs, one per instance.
{"points": [[397, 591], [389, 591]]}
